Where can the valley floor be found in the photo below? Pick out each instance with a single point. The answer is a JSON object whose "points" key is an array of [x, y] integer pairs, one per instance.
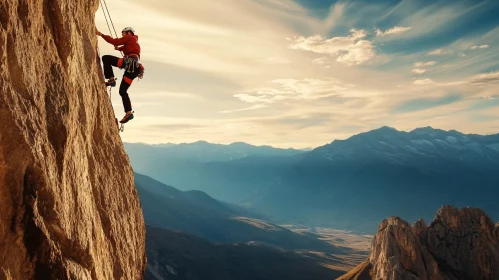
{"points": [[355, 247]]}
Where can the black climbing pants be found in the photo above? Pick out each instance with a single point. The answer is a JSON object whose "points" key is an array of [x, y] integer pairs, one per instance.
{"points": [[109, 61]]}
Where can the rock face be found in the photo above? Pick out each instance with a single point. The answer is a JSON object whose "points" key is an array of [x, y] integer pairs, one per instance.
{"points": [[458, 244], [68, 205]]}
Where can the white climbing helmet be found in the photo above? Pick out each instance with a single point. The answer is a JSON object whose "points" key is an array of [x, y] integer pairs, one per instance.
{"points": [[128, 29]]}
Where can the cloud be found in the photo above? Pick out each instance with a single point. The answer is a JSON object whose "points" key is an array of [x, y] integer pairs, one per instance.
{"points": [[274, 60], [293, 89], [256, 106], [488, 79], [483, 118], [422, 64], [419, 104], [174, 126], [418, 71], [418, 65], [298, 122], [487, 102], [479, 47], [348, 50], [433, 24], [438, 52], [169, 95], [423, 82], [335, 15], [394, 30], [484, 79], [321, 60]]}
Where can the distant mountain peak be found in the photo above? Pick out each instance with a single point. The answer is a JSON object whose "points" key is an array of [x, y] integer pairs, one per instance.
{"points": [[389, 134], [424, 129], [382, 129], [418, 130], [239, 143], [201, 142], [387, 128], [424, 149]]}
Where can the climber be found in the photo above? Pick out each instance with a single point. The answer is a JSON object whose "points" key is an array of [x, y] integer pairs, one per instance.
{"points": [[129, 44]]}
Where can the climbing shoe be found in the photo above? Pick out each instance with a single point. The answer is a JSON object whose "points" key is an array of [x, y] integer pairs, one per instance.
{"points": [[111, 82], [126, 118]]}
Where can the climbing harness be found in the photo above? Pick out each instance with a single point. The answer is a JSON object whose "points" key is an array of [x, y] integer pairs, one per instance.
{"points": [[132, 64]]}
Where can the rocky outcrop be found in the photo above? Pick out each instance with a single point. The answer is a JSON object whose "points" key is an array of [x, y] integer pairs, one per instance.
{"points": [[68, 205], [458, 244]]}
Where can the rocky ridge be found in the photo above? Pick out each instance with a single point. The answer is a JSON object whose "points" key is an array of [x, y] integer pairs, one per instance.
{"points": [[458, 244]]}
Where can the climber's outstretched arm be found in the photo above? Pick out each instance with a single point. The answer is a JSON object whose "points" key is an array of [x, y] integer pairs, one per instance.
{"points": [[113, 41]]}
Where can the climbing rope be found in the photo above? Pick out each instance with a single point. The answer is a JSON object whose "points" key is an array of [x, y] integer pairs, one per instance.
{"points": [[105, 17], [109, 14], [120, 128], [110, 19]]}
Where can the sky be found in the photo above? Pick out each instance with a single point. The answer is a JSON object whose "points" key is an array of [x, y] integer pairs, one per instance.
{"points": [[302, 73]]}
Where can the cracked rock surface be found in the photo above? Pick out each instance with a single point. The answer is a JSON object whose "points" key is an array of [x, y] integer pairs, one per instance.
{"points": [[68, 205]]}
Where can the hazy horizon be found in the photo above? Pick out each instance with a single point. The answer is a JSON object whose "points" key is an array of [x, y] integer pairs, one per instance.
{"points": [[290, 147]]}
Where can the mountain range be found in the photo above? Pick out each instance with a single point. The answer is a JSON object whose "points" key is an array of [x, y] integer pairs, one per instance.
{"points": [[355, 182], [197, 213], [228, 172], [190, 234], [349, 184]]}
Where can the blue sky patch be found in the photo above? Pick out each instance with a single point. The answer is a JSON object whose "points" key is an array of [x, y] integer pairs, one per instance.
{"points": [[425, 103]]}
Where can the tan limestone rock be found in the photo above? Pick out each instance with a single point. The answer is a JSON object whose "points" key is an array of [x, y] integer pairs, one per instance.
{"points": [[68, 205]]}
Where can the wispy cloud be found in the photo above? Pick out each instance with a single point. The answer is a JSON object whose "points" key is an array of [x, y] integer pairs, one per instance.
{"points": [[174, 127], [474, 80], [393, 30], [299, 122], [426, 103], [154, 95], [418, 71], [484, 79], [292, 89], [480, 47], [256, 106], [349, 50], [423, 82], [439, 52], [423, 64], [274, 60]]}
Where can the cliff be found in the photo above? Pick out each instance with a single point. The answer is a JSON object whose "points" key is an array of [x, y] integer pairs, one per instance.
{"points": [[68, 205], [458, 244]]}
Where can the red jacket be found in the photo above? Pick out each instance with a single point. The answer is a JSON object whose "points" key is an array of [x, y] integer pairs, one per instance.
{"points": [[130, 43]]}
